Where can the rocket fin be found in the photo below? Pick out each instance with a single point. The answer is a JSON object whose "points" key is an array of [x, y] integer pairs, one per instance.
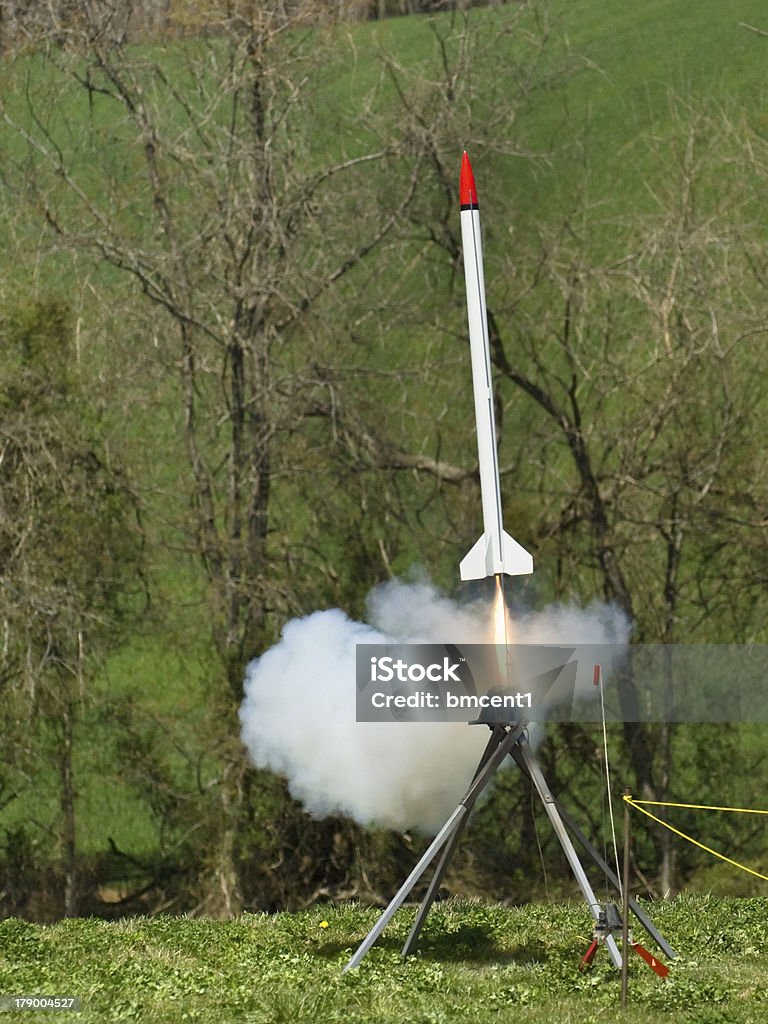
{"points": [[474, 565], [516, 561], [483, 561]]}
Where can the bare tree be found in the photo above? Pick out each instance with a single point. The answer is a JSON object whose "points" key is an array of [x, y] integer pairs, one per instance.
{"points": [[70, 564], [229, 224], [642, 367], [223, 184], [227, 185]]}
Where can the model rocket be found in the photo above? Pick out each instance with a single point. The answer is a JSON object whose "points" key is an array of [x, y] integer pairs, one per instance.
{"points": [[495, 552]]}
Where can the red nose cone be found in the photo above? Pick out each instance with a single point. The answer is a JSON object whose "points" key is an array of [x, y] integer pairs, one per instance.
{"points": [[467, 189]]}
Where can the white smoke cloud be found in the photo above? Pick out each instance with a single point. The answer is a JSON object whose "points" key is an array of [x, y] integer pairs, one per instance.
{"points": [[298, 713]]}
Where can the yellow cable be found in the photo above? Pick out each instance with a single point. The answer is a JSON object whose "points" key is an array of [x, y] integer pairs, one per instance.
{"points": [[708, 849], [698, 807]]}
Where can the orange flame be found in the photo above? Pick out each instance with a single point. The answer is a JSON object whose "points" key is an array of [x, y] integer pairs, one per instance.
{"points": [[501, 624], [502, 632]]}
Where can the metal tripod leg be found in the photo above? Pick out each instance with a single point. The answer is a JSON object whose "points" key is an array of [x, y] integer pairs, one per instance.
{"points": [[637, 910], [635, 907], [406, 887], [505, 740], [532, 769], [434, 885], [445, 859]]}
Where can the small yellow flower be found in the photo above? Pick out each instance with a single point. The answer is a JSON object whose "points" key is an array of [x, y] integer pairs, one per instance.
{"points": [[323, 924]]}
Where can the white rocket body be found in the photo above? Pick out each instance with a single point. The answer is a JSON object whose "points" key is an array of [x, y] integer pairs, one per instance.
{"points": [[495, 552]]}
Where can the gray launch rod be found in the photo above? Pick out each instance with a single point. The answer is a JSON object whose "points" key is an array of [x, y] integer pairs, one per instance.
{"points": [[505, 743], [534, 772], [450, 847]]}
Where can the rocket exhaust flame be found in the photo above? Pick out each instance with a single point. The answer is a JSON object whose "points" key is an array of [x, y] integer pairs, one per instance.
{"points": [[501, 623], [502, 632]]}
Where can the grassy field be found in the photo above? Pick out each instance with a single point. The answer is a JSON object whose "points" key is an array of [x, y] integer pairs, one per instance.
{"points": [[477, 964]]}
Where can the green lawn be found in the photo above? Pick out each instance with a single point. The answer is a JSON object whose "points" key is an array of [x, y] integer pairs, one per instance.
{"points": [[477, 964]]}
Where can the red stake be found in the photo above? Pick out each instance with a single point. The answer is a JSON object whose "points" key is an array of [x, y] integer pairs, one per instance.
{"points": [[650, 959], [589, 956]]}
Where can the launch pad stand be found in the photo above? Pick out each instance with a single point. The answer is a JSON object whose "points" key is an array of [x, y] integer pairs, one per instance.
{"points": [[507, 739]]}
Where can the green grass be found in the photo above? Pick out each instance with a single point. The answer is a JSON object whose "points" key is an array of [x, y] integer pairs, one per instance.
{"points": [[641, 75], [477, 964]]}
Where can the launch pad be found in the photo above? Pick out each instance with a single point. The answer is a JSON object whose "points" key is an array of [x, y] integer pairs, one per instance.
{"points": [[508, 739]]}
